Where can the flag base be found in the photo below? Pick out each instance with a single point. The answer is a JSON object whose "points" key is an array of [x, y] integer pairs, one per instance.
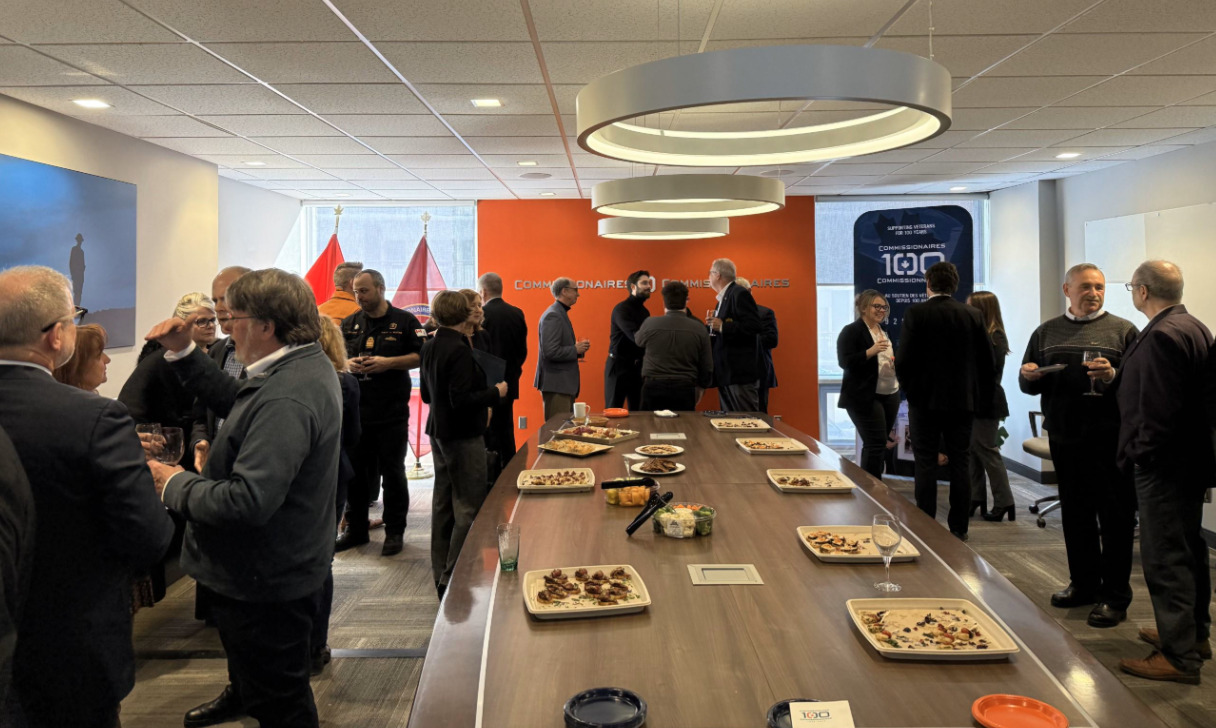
{"points": [[418, 472]]}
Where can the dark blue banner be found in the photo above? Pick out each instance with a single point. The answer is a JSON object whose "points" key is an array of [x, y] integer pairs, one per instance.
{"points": [[892, 249]]}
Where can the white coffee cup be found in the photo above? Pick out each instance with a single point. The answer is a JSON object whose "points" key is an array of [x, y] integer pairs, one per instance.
{"points": [[580, 410]]}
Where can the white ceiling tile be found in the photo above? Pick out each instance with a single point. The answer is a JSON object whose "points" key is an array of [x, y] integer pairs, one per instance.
{"points": [[469, 184], [296, 194], [389, 174], [1201, 136], [945, 140], [1078, 117], [234, 174], [354, 98], [465, 173], [240, 20], [321, 184], [347, 161], [438, 161], [269, 161], [247, 98], [985, 91], [1144, 152], [155, 126], [1145, 91], [509, 161], [542, 184], [1174, 116], [173, 63], [697, 170], [840, 169], [464, 62], [1090, 55], [845, 180], [961, 55], [396, 184], [525, 98], [907, 154], [530, 125], [395, 194], [1124, 137], [430, 21], [210, 145], [598, 174], [581, 63], [1020, 138], [1048, 154], [583, 159], [985, 119], [1138, 16], [518, 145], [824, 18], [1023, 167], [278, 63], [967, 17], [69, 21], [934, 167], [264, 173], [294, 145], [389, 124], [620, 20], [1092, 166], [272, 125], [1196, 59], [24, 67], [59, 98], [979, 154], [447, 144]]}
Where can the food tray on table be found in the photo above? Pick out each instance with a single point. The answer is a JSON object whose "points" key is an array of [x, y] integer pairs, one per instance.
{"points": [[658, 466], [658, 451], [939, 629], [739, 424], [556, 480], [770, 445], [569, 602], [849, 544], [575, 448], [601, 435], [810, 481]]}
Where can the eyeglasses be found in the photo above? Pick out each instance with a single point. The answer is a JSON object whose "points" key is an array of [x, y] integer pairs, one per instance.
{"points": [[204, 322], [1134, 286], [570, 288], [879, 307], [79, 314]]}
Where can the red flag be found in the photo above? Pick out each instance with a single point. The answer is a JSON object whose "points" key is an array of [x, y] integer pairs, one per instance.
{"points": [[414, 294], [320, 276]]}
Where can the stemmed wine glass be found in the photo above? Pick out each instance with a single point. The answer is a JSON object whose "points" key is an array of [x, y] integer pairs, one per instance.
{"points": [[1088, 356], [172, 447], [886, 535]]}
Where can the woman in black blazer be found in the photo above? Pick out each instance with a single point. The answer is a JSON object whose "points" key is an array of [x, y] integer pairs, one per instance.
{"points": [[869, 391], [985, 454]]}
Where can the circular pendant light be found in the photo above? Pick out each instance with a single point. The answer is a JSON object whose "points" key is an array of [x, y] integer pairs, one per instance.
{"points": [[638, 228], [688, 196], [914, 92]]}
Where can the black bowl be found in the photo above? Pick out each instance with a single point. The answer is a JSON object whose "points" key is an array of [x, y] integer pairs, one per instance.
{"points": [[605, 708], [779, 714]]}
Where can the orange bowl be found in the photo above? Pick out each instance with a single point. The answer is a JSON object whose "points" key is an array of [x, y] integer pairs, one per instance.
{"points": [[616, 412]]}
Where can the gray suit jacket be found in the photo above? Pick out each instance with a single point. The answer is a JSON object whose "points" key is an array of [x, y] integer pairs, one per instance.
{"points": [[557, 362]]}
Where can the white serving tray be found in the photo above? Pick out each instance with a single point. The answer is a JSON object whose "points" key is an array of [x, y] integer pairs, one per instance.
{"points": [[834, 481], [587, 473], [1002, 644], [534, 581], [904, 552], [676, 450], [739, 424], [792, 447]]}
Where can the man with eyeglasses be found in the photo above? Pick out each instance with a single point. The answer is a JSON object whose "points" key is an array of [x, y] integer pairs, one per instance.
{"points": [[1165, 443], [733, 328], [559, 353], [99, 517], [223, 353], [1097, 501]]}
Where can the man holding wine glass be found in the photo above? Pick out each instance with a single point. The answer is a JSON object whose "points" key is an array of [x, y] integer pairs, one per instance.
{"points": [[1070, 360]]}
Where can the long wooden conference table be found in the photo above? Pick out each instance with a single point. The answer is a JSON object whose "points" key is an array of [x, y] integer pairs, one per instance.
{"points": [[719, 656]]}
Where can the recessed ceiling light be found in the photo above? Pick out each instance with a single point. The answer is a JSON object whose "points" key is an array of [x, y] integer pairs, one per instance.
{"points": [[1068, 155], [486, 103], [777, 173], [548, 194], [256, 164], [91, 103], [535, 175], [526, 164], [957, 189]]}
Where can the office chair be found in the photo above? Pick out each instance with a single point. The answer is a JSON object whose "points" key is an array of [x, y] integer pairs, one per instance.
{"points": [[1038, 447]]}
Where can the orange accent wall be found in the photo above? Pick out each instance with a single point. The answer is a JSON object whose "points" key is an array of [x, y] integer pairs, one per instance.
{"points": [[530, 241]]}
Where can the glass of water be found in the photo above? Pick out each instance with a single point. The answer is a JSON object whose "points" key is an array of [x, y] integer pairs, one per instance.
{"points": [[508, 546], [886, 535]]}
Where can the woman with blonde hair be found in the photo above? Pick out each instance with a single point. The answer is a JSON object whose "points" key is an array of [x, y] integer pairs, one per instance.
{"points": [[87, 368], [869, 391], [985, 453]]}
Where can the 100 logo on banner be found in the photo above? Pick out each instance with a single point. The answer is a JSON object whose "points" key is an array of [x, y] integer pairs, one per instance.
{"points": [[910, 264]]}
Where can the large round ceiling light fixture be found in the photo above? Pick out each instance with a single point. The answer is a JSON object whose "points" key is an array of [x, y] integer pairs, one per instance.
{"points": [[913, 93], [688, 196], [637, 228]]}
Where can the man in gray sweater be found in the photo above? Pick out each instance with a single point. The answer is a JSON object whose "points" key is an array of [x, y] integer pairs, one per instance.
{"points": [[678, 364], [260, 517]]}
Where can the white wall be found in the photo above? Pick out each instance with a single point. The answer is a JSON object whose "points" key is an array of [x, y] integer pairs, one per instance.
{"points": [[176, 202], [254, 224]]}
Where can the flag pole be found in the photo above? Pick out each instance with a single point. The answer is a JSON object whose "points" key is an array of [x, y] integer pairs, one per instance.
{"points": [[337, 218], [418, 472]]}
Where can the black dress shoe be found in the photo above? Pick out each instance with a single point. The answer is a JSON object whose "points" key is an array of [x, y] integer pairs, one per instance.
{"points": [[1071, 596], [221, 710], [320, 659], [349, 540], [961, 535], [393, 543], [1104, 615]]}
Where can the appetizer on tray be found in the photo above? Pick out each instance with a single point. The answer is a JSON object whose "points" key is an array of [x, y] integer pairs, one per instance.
{"points": [[930, 629], [601, 435], [564, 480], [810, 481], [576, 448], [739, 424], [849, 544], [770, 445], [584, 591], [658, 451], [658, 466]]}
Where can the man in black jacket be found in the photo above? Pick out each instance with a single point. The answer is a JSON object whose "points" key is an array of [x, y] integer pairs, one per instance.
{"points": [[509, 341], [766, 341], [623, 369], [16, 562], [945, 368], [734, 327], [1165, 442], [101, 517]]}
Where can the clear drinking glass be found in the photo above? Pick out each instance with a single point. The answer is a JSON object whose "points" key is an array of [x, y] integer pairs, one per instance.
{"points": [[708, 315], [1089, 356], [508, 546], [886, 535], [152, 429], [171, 452]]}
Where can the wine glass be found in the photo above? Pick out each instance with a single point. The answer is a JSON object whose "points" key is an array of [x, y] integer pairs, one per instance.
{"points": [[171, 451], [154, 439], [1088, 356], [710, 314], [886, 535]]}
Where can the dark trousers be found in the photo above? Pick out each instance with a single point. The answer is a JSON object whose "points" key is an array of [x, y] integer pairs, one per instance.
{"points": [[670, 394], [739, 397], [460, 489], [932, 432], [986, 460], [500, 437], [762, 397], [1097, 512], [622, 385], [381, 454], [1175, 559], [874, 423], [268, 649]]}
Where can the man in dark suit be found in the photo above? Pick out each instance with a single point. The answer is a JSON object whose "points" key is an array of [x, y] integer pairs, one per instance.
{"points": [[734, 328], [559, 353], [508, 330], [1165, 442], [16, 562], [765, 343], [623, 368], [945, 368], [102, 519]]}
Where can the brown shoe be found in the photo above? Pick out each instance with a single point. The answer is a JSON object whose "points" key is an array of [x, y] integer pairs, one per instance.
{"points": [[1150, 635], [1156, 667]]}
